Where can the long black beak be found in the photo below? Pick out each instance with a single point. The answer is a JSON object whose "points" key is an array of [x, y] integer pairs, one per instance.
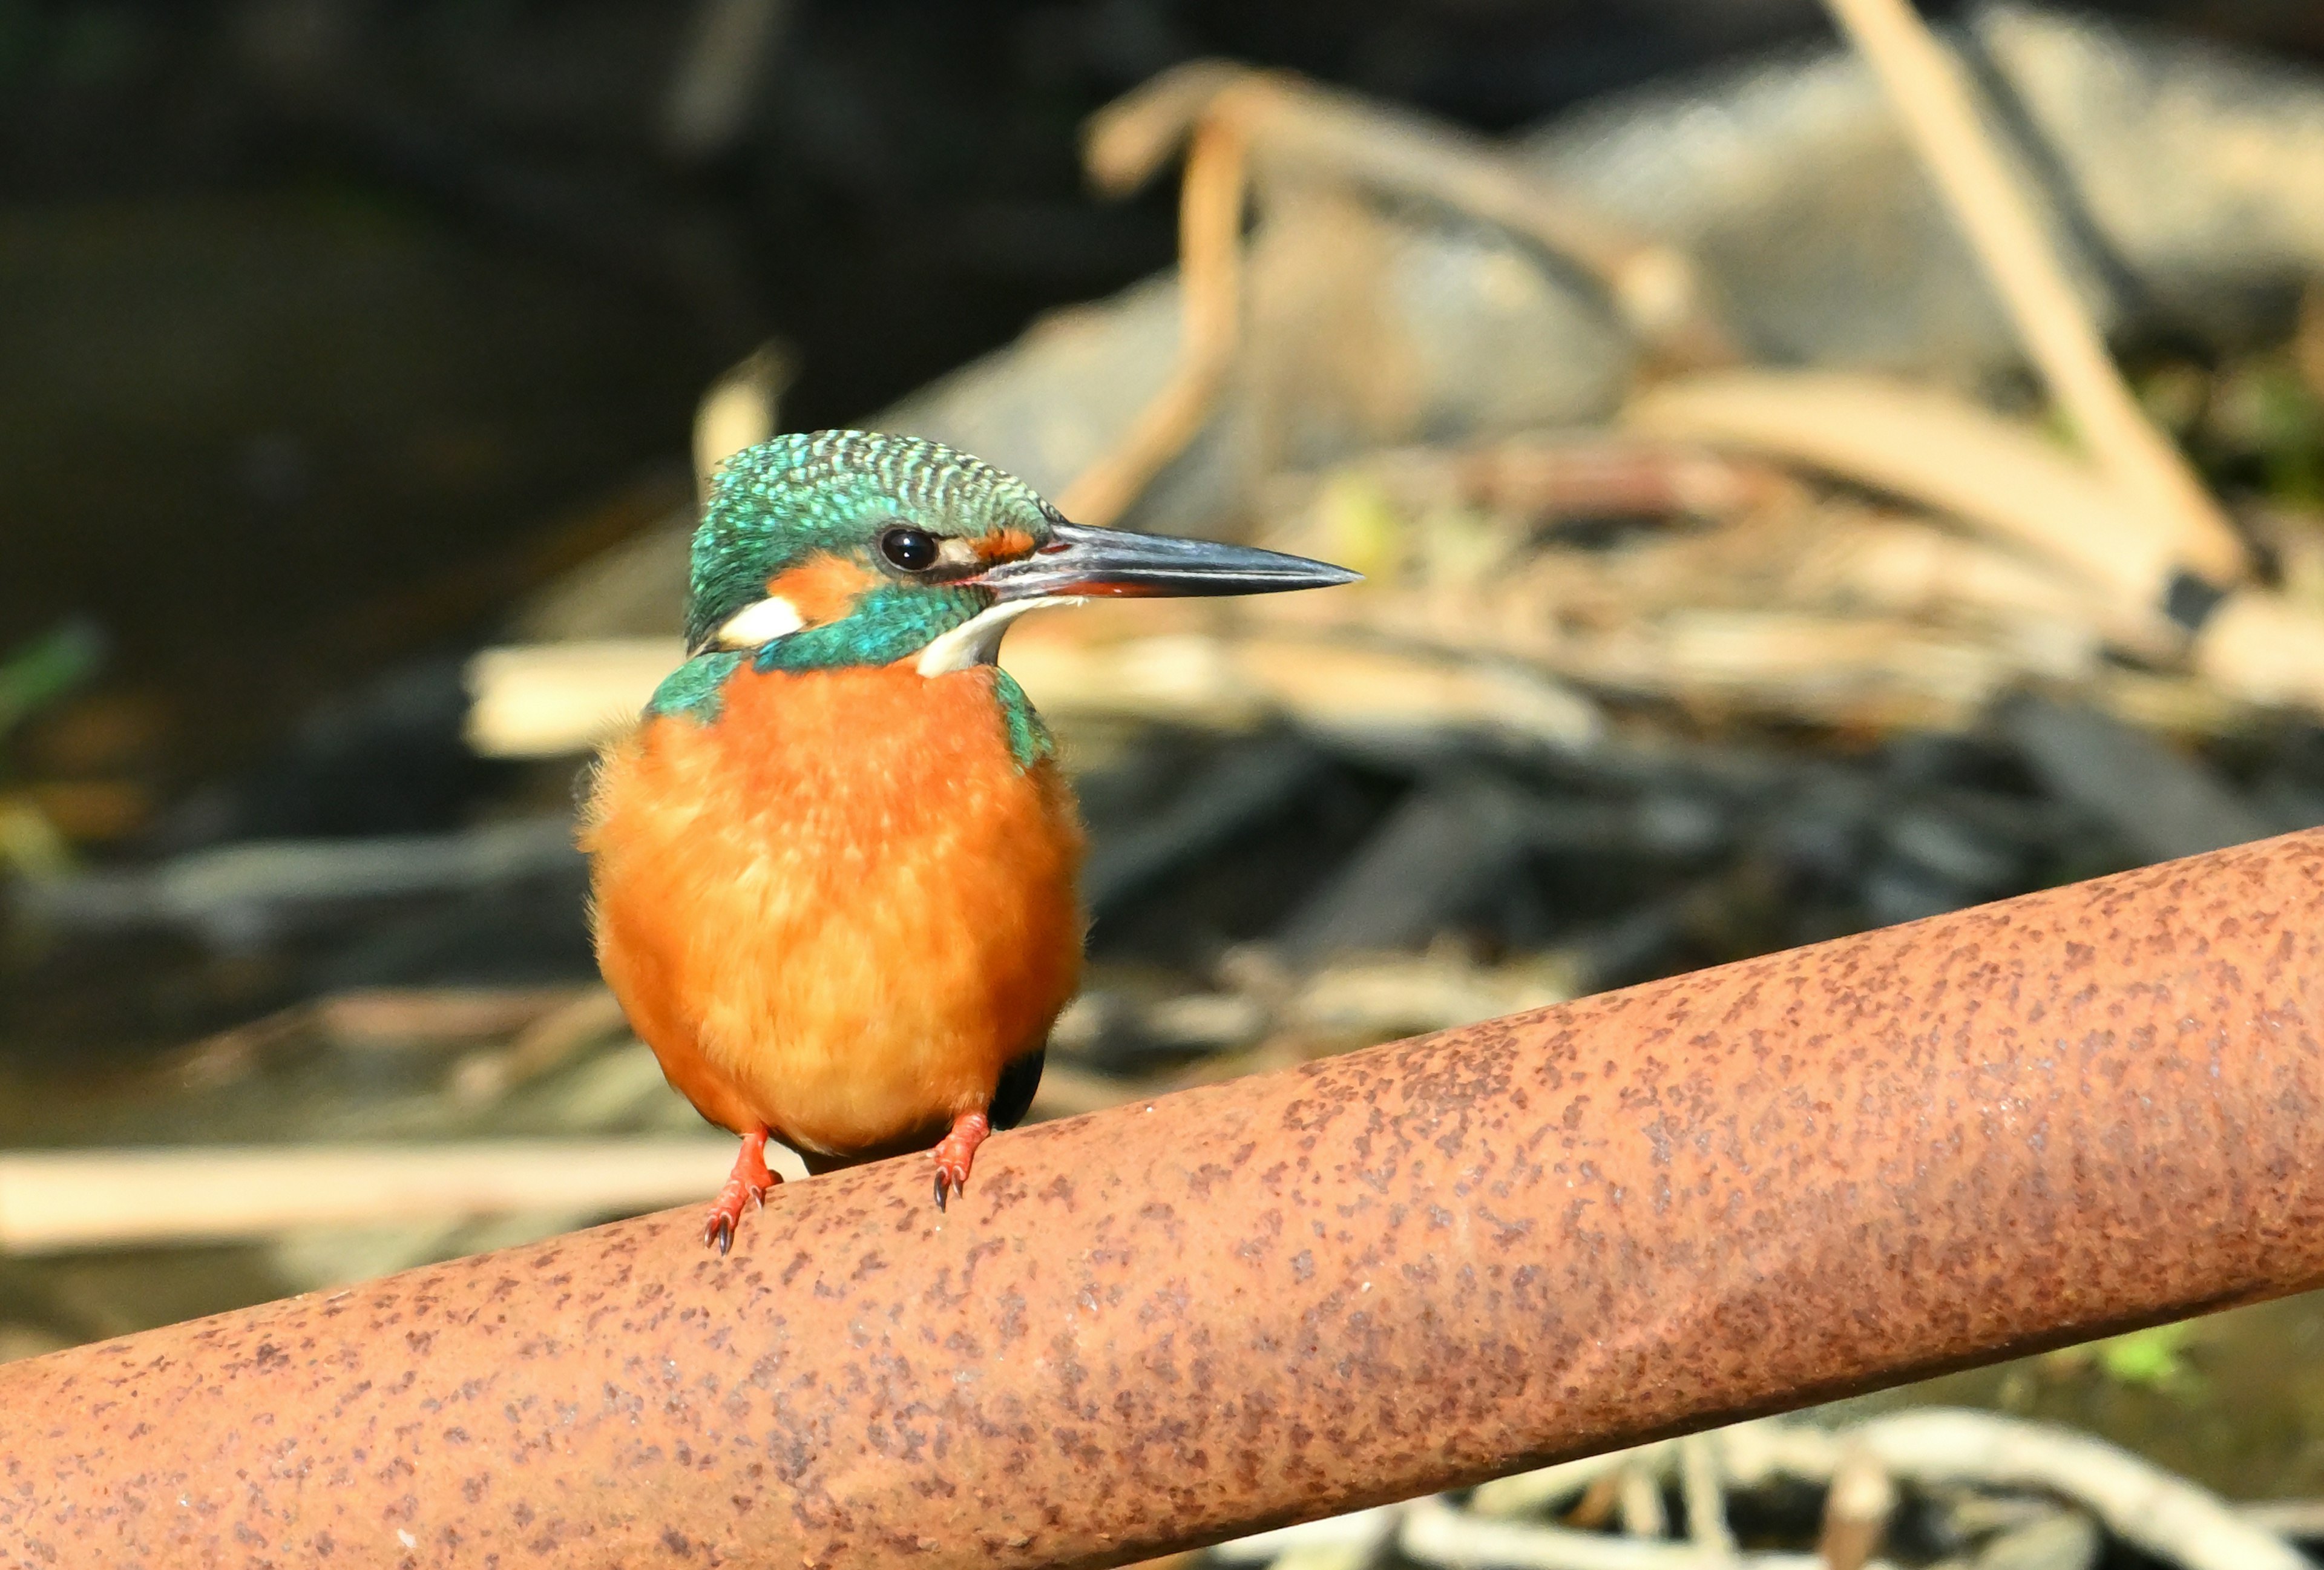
{"points": [[1080, 560]]}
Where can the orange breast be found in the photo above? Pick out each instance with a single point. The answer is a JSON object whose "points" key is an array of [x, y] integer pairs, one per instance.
{"points": [[840, 908]]}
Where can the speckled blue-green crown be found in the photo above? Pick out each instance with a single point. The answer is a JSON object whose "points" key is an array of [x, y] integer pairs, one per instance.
{"points": [[777, 503]]}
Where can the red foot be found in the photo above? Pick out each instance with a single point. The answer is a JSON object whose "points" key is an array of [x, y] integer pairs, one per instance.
{"points": [[749, 1184], [956, 1151]]}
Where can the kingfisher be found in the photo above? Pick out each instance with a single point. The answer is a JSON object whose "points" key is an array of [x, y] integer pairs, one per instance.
{"points": [[833, 870]]}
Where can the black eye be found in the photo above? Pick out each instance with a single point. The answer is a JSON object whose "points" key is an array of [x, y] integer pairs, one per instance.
{"points": [[913, 549]]}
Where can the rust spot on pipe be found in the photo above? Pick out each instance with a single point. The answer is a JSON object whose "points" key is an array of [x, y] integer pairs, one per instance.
{"points": [[1379, 1274]]}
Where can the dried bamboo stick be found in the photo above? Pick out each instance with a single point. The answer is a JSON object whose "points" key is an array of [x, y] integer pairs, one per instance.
{"points": [[741, 409], [1997, 476], [1934, 98], [1856, 1510], [61, 1200], [553, 700], [1211, 200], [1433, 1533], [2175, 1521], [558, 699], [1295, 125]]}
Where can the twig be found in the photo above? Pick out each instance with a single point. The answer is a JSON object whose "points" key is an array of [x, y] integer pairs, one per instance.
{"points": [[553, 700], [1705, 1496], [1597, 1504], [1856, 1510], [592, 1015], [2065, 1540], [1874, 672], [1929, 446], [399, 1015], [1210, 292], [585, 1018], [1639, 1502], [1751, 1453], [740, 410], [1359, 1530], [1968, 1511], [2168, 1517], [1233, 120], [1436, 1534], [1295, 125], [1126, 143], [55, 1201], [2264, 650], [1940, 116], [720, 74], [2287, 1518], [1589, 474], [1331, 686], [1527, 1493]]}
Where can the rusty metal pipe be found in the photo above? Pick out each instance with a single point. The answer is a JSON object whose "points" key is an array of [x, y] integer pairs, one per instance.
{"points": [[1408, 1268]]}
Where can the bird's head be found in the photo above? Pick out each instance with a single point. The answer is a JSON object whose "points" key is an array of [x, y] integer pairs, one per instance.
{"points": [[844, 547]]}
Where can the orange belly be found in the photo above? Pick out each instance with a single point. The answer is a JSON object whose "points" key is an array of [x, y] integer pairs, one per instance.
{"points": [[840, 908]]}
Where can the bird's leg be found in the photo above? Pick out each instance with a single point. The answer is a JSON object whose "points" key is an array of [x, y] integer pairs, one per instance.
{"points": [[747, 1184], [956, 1151]]}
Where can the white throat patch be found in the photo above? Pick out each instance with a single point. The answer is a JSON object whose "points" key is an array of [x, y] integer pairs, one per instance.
{"points": [[760, 622], [977, 641]]}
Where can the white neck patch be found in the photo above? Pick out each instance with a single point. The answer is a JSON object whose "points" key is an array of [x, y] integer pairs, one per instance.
{"points": [[760, 622], [977, 641]]}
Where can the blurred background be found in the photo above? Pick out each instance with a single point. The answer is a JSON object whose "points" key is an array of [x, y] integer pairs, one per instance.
{"points": [[1742, 571]]}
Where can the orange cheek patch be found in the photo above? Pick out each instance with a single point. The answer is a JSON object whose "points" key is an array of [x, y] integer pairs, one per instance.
{"points": [[824, 588], [1006, 546]]}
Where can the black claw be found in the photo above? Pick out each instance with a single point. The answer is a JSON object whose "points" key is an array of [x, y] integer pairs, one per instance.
{"points": [[940, 1191]]}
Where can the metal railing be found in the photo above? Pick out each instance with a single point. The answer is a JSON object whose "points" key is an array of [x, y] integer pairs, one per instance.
{"points": [[1423, 1265]]}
